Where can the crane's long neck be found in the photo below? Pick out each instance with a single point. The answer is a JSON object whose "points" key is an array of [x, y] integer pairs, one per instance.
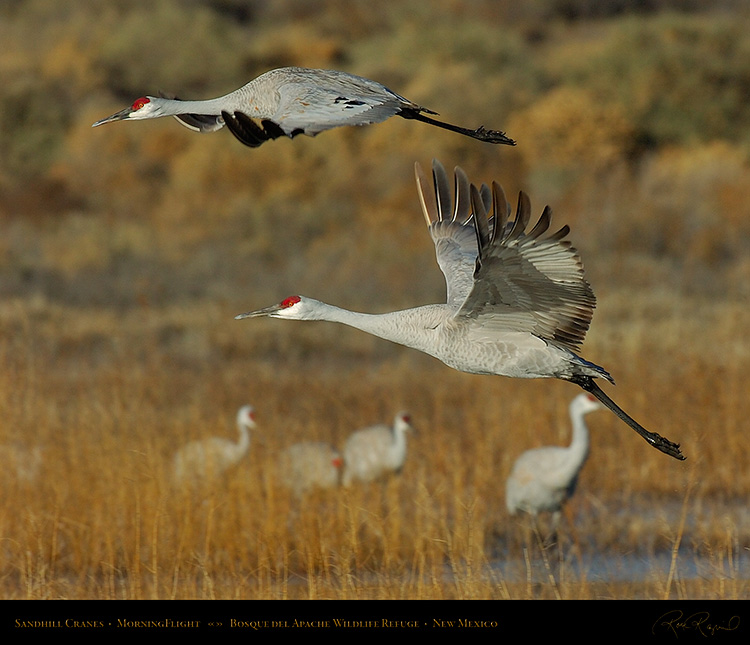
{"points": [[410, 327], [245, 99], [243, 445], [579, 445], [398, 448]]}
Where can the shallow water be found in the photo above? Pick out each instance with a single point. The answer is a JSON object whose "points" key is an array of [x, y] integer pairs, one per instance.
{"points": [[621, 567], [698, 556]]}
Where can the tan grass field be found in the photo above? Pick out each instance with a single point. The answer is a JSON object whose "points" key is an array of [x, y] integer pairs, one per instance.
{"points": [[126, 251], [102, 522]]}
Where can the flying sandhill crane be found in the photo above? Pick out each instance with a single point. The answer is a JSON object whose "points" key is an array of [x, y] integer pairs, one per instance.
{"points": [[543, 479], [291, 101], [206, 459], [309, 465], [517, 305], [376, 451]]}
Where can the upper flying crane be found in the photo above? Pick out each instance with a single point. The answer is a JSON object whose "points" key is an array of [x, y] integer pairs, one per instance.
{"points": [[291, 101]]}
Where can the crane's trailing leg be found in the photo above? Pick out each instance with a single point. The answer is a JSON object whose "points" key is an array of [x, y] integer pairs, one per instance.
{"points": [[656, 440], [482, 134]]}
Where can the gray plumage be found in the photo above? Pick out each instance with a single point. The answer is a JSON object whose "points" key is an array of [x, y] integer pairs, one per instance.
{"points": [[203, 460], [517, 301], [293, 100], [543, 479], [309, 465], [375, 451]]}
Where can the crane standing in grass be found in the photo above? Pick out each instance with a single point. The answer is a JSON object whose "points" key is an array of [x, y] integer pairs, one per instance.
{"points": [[293, 100], [206, 459], [543, 479], [309, 465], [376, 451], [517, 304]]}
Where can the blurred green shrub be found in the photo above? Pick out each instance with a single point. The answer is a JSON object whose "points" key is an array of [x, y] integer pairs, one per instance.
{"points": [[618, 121], [680, 78]]}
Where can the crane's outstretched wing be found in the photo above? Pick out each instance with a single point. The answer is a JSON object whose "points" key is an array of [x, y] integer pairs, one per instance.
{"points": [[451, 227], [526, 280]]}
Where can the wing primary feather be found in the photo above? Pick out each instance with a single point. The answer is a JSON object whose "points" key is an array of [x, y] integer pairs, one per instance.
{"points": [[560, 234], [442, 189], [523, 213], [480, 220], [426, 195], [542, 225], [272, 129], [245, 129], [499, 208], [462, 211], [248, 125], [486, 195]]}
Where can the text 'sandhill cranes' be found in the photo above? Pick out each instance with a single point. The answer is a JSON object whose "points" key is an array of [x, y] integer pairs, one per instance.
{"points": [[518, 303], [290, 101]]}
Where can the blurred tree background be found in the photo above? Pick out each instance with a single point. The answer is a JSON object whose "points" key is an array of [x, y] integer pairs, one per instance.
{"points": [[126, 250], [632, 120]]}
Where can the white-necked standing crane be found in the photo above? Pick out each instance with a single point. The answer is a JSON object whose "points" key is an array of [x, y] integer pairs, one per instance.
{"points": [[206, 459], [293, 100], [518, 303], [543, 479], [309, 465], [376, 450]]}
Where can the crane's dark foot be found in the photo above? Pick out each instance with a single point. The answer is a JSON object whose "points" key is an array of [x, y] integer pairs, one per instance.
{"points": [[665, 445], [481, 133], [492, 136]]}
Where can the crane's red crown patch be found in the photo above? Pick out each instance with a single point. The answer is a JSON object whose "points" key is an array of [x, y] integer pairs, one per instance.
{"points": [[290, 301], [139, 103]]}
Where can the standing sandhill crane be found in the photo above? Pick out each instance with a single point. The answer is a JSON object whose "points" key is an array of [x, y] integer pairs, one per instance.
{"points": [[543, 479], [208, 458], [377, 450], [309, 465], [291, 101], [517, 305]]}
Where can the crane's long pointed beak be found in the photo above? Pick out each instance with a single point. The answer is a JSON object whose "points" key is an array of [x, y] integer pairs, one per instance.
{"points": [[266, 311], [117, 116]]}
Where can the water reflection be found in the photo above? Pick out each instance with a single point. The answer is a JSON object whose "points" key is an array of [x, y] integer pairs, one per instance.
{"points": [[707, 523]]}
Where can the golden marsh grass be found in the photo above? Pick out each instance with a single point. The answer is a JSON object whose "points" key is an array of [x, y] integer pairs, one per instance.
{"points": [[102, 521], [126, 251]]}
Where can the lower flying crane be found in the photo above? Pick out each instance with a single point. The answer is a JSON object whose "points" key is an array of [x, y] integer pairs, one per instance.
{"points": [[518, 303]]}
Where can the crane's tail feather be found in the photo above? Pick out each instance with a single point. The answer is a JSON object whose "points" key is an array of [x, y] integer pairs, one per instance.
{"points": [[656, 440], [482, 134]]}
